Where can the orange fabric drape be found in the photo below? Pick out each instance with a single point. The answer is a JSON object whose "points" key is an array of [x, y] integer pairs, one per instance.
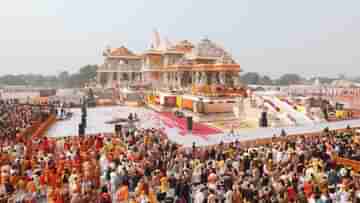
{"points": [[187, 104]]}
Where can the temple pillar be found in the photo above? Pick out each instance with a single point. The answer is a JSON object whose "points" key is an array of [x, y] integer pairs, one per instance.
{"points": [[119, 77], [168, 79], [140, 77], [203, 79], [209, 78], [98, 78], [183, 79], [109, 79], [132, 77], [190, 78], [198, 77], [236, 79], [127, 78], [163, 78], [104, 78], [179, 79], [173, 79], [135, 77], [229, 79], [222, 77], [214, 80], [193, 77]]}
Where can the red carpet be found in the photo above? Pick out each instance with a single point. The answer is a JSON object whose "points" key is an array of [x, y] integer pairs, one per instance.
{"points": [[181, 123]]}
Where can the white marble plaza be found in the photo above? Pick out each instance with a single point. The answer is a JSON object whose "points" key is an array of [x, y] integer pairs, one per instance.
{"points": [[149, 119]]}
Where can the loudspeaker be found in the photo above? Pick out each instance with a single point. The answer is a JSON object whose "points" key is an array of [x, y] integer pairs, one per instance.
{"points": [[81, 129], [118, 128], [189, 122], [264, 114], [84, 122], [84, 112], [263, 121], [130, 117]]}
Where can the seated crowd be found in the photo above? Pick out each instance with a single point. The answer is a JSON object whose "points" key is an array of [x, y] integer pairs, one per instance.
{"points": [[14, 117], [142, 165]]}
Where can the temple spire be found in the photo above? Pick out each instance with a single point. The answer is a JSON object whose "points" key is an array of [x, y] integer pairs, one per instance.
{"points": [[156, 39], [167, 43]]}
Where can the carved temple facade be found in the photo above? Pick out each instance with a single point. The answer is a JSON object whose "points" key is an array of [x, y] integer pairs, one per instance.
{"points": [[121, 67], [201, 77], [204, 68]]}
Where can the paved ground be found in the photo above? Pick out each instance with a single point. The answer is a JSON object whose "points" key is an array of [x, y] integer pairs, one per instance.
{"points": [[96, 118], [149, 119]]}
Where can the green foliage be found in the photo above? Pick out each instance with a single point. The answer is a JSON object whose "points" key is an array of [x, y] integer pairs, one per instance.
{"points": [[290, 79], [253, 78], [62, 80], [266, 80], [13, 80], [250, 78]]}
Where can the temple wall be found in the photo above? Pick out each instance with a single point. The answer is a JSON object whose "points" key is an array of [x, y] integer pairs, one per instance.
{"points": [[218, 107]]}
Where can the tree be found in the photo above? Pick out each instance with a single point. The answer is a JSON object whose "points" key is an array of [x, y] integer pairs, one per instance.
{"points": [[13, 80], [289, 79], [63, 76], [266, 80], [86, 74], [357, 79], [63, 79], [250, 78], [342, 76]]}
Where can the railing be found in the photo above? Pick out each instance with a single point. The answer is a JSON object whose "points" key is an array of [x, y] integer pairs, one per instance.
{"points": [[119, 68], [151, 67], [43, 127], [355, 165]]}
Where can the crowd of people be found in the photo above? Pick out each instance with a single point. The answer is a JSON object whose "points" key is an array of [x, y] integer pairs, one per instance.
{"points": [[14, 117], [142, 165]]}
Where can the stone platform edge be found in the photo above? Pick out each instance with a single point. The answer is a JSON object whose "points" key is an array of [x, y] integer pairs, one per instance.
{"points": [[44, 126]]}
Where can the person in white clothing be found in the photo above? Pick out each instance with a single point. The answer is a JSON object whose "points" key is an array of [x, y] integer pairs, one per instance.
{"points": [[228, 196], [199, 196]]}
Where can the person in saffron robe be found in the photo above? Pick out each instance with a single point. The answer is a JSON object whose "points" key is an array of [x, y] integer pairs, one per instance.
{"points": [[122, 194], [105, 197], [6, 188]]}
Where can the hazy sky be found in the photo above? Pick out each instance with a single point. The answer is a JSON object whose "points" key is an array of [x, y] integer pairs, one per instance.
{"points": [[313, 38]]}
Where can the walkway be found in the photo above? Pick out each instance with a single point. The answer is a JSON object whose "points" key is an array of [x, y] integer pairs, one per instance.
{"points": [[300, 118], [149, 119]]}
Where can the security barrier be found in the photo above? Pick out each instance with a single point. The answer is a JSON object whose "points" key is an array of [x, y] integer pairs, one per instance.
{"points": [[43, 127], [355, 165]]}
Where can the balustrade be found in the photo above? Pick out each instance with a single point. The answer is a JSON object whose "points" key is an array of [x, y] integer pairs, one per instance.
{"points": [[119, 68]]}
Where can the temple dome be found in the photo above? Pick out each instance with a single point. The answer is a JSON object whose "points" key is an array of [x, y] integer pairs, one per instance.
{"points": [[182, 46], [206, 48], [121, 51]]}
